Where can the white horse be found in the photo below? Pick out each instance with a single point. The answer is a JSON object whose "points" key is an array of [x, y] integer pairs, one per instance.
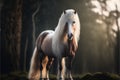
{"points": [[60, 44]]}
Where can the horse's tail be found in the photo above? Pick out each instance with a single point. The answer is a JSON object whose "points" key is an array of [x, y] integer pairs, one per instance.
{"points": [[34, 72]]}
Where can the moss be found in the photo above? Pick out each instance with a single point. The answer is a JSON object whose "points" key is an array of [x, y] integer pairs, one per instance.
{"points": [[14, 76], [53, 76], [101, 76], [87, 76]]}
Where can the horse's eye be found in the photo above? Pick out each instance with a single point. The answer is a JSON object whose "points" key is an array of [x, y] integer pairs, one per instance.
{"points": [[73, 22]]}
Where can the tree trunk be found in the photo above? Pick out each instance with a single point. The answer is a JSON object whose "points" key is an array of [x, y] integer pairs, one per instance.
{"points": [[118, 42], [11, 33], [28, 33]]}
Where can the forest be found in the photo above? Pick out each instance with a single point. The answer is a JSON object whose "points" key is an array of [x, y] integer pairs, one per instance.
{"points": [[21, 21]]}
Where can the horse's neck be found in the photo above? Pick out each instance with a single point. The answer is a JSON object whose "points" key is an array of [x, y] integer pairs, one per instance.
{"points": [[57, 44], [59, 41], [58, 35]]}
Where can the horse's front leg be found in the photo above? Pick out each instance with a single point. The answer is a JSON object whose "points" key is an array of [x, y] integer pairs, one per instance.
{"points": [[69, 67], [61, 67]]}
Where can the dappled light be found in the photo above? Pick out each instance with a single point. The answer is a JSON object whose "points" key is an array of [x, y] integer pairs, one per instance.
{"points": [[111, 4], [99, 21], [98, 53], [105, 9]]}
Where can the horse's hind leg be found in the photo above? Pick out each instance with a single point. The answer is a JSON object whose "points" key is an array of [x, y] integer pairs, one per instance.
{"points": [[50, 60], [42, 56]]}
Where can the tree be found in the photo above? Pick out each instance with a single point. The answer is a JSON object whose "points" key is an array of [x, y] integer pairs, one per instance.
{"points": [[11, 33], [29, 10], [117, 48], [110, 17]]}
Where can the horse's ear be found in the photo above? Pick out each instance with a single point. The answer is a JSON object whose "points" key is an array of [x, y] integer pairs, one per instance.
{"points": [[64, 11], [75, 12]]}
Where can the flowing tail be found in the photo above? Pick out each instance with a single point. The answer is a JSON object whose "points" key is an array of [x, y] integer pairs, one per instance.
{"points": [[34, 72]]}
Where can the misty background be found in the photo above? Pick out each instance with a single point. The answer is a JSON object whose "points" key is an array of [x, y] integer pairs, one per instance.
{"points": [[21, 21]]}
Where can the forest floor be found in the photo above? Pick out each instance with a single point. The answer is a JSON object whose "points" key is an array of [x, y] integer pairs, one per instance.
{"points": [[87, 76]]}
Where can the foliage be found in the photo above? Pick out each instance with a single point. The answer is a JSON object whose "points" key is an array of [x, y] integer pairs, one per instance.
{"points": [[87, 76]]}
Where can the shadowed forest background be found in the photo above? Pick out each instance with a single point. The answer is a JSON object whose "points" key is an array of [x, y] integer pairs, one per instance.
{"points": [[21, 21]]}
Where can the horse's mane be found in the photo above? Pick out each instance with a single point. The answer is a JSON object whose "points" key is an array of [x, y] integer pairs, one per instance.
{"points": [[62, 21]]}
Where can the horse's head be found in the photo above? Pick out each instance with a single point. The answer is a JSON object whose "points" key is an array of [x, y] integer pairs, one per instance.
{"points": [[71, 23], [71, 26], [67, 32]]}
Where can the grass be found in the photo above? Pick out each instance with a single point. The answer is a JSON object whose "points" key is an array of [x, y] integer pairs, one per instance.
{"points": [[14, 76], [87, 76]]}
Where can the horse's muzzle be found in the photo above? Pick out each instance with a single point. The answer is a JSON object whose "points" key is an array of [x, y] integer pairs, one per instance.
{"points": [[70, 36]]}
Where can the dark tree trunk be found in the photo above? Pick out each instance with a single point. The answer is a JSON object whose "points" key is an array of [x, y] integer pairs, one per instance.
{"points": [[27, 37], [117, 42], [10, 32]]}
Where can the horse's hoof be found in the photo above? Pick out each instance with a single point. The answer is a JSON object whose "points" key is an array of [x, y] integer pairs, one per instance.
{"points": [[41, 78], [69, 79], [61, 79], [46, 79]]}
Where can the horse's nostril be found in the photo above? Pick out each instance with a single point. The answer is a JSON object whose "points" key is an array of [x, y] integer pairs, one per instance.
{"points": [[70, 36]]}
